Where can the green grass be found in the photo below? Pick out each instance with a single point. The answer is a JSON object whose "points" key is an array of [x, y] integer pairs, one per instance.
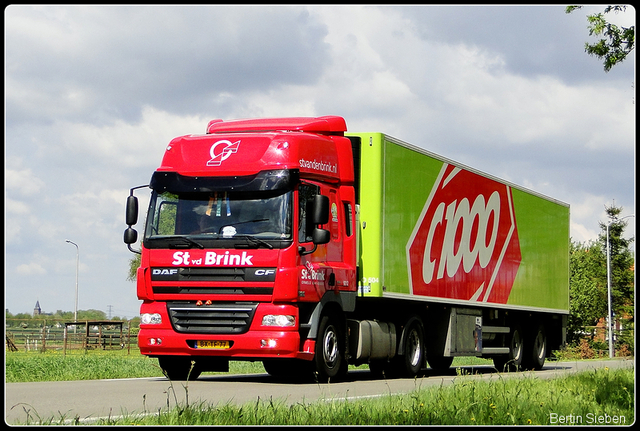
{"points": [[42, 367], [116, 364], [587, 397], [582, 398], [94, 365]]}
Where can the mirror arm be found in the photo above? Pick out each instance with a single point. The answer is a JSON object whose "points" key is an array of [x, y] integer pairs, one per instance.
{"points": [[132, 250], [303, 251], [131, 215]]}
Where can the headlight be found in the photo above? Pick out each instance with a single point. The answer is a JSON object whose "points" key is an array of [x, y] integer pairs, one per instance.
{"points": [[278, 320], [151, 319]]}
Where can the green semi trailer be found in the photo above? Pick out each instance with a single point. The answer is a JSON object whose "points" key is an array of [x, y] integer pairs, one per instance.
{"points": [[482, 263]]}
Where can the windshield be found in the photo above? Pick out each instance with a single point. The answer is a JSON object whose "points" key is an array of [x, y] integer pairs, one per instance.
{"points": [[220, 217]]}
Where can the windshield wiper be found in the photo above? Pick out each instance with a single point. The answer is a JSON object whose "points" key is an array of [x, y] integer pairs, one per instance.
{"points": [[254, 240], [189, 242], [241, 222]]}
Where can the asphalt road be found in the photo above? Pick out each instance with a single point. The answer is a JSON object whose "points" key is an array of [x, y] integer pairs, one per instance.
{"points": [[90, 399]]}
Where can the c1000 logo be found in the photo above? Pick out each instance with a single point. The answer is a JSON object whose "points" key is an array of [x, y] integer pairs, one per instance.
{"points": [[465, 244]]}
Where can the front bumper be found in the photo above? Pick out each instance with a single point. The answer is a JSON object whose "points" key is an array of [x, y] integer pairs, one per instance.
{"points": [[258, 342]]}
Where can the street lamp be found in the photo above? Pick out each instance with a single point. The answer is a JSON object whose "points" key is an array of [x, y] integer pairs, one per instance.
{"points": [[610, 314], [75, 312]]}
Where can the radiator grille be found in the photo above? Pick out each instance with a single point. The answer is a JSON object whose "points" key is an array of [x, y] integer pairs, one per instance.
{"points": [[217, 318]]}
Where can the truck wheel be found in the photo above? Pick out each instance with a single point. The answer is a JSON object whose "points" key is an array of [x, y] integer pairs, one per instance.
{"points": [[513, 361], [536, 349], [179, 367], [330, 348], [440, 363], [414, 350]]}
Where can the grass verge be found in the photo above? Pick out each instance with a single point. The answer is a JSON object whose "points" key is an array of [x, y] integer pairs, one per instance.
{"points": [[598, 397], [95, 365], [114, 364]]}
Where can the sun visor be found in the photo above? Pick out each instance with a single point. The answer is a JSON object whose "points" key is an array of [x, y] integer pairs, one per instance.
{"points": [[272, 180]]}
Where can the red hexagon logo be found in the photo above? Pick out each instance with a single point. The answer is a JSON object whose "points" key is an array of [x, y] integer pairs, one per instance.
{"points": [[465, 244]]}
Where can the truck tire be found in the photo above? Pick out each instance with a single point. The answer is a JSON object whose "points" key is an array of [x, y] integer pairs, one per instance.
{"points": [[414, 351], [514, 360], [179, 367], [329, 358], [536, 348]]}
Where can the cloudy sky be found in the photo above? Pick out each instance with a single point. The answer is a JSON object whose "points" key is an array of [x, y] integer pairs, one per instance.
{"points": [[94, 94]]}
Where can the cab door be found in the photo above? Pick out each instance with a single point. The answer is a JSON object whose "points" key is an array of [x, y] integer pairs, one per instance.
{"points": [[314, 272]]}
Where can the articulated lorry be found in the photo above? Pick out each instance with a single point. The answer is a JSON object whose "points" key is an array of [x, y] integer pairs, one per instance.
{"points": [[292, 242]]}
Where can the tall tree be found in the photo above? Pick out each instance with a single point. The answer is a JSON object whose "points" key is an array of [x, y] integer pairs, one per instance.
{"points": [[134, 264], [622, 266], [615, 42], [588, 279], [587, 287]]}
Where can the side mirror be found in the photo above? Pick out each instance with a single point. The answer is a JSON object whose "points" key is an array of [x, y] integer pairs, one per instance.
{"points": [[130, 236], [321, 236], [320, 210], [319, 214], [131, 218], [131, 214]]}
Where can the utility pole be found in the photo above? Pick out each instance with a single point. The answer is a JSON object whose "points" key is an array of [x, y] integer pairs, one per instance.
{"points": [[109, 309], [75, 310]]}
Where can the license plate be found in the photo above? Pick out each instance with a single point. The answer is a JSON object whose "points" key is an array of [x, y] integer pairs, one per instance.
{"points": [[206, 344]]}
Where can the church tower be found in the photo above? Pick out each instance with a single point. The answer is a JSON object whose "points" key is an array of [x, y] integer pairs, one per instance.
{"points": [[37, 310]]}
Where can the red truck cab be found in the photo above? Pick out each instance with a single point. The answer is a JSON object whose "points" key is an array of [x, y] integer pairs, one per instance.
{"points": [[249, 238]]}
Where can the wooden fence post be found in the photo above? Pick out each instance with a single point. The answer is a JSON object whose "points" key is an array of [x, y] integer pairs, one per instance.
{"points": [[44, 337], [64, 343]]}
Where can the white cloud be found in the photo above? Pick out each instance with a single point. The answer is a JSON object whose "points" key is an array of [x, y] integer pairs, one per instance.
{"points": [[588, 211], [130, 145], [22, 181], [581, 233], [32, 268], [13, 206]]}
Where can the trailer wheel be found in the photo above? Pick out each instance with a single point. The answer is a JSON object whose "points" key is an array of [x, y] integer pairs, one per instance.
{"points": [[330, 348], [179, 367], [514, 360], [414, 349], [536, 349]]}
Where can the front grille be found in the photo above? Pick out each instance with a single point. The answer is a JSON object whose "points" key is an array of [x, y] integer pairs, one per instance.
{"points": [[217, 318]]}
